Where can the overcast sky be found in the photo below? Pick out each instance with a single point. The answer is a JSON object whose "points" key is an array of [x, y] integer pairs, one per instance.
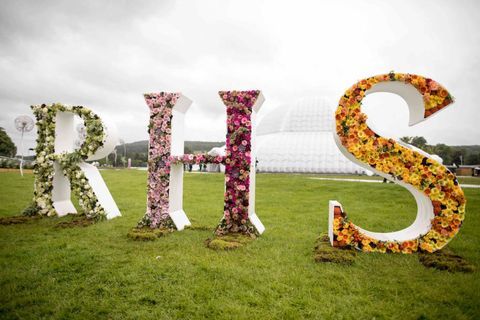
{"points": [[106, 54]]}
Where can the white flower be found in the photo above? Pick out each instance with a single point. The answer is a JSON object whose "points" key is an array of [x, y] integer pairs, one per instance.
{"points": [[41, 203]]}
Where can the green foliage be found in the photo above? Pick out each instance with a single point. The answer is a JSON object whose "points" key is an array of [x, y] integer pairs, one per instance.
{"points": [[417, 141], [147, 234], [470, 154], [445, 259], [458, 156], [98, 272], [324, 252], [444, 152], [472, 159], [31, 210], [7, 147], [467, 155]]}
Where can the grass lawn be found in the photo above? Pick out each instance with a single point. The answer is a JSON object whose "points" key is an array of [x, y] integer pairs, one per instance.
{"points": [[97, 272]]}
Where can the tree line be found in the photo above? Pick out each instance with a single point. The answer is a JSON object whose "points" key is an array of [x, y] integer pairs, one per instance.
{"points": [[137, 151], [459, 155]]}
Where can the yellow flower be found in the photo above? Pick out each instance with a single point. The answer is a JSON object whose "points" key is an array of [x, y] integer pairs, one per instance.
{"points": [[414, 179], [436, 194], [447, 212], [367, 248], [426, 247]]}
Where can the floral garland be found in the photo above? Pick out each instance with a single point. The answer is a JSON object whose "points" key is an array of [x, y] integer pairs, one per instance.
{"points": [[237, 163], [160, 130], [388, 156], [197, 159], [69, 162]]}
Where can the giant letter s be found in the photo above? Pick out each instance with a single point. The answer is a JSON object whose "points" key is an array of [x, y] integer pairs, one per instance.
{"points": [[439, 198]]}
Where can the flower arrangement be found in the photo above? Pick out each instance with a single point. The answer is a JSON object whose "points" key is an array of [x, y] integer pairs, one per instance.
{"points": [[160, 130], [238, 162], [197, 159], [388, 156], [69, 162]]}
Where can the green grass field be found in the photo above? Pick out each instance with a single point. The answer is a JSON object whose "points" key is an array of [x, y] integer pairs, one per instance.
{"points": [[97, 272]]}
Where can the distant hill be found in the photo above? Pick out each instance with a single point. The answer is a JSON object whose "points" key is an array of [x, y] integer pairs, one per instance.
{"points": [[469, 149], [201, 146], [134, 147]]}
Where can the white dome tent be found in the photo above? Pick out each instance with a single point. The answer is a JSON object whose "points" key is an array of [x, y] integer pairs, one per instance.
{"points": [[298, 137]]}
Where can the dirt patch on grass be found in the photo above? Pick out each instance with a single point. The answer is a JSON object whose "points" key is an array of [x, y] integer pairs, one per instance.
{"points": [[229, 242], [447, 260], [324, 252], [5, 221], [15, 170], [147, 234], [78, 222]]}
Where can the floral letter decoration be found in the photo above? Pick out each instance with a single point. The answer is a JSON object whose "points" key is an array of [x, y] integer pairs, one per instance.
{"points": [[239, 202], [163, 184], [60, 168], [166, 158], [440, 200]]}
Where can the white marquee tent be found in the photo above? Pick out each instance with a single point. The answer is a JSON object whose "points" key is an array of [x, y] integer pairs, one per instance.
{"points": [[298, 137]]}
